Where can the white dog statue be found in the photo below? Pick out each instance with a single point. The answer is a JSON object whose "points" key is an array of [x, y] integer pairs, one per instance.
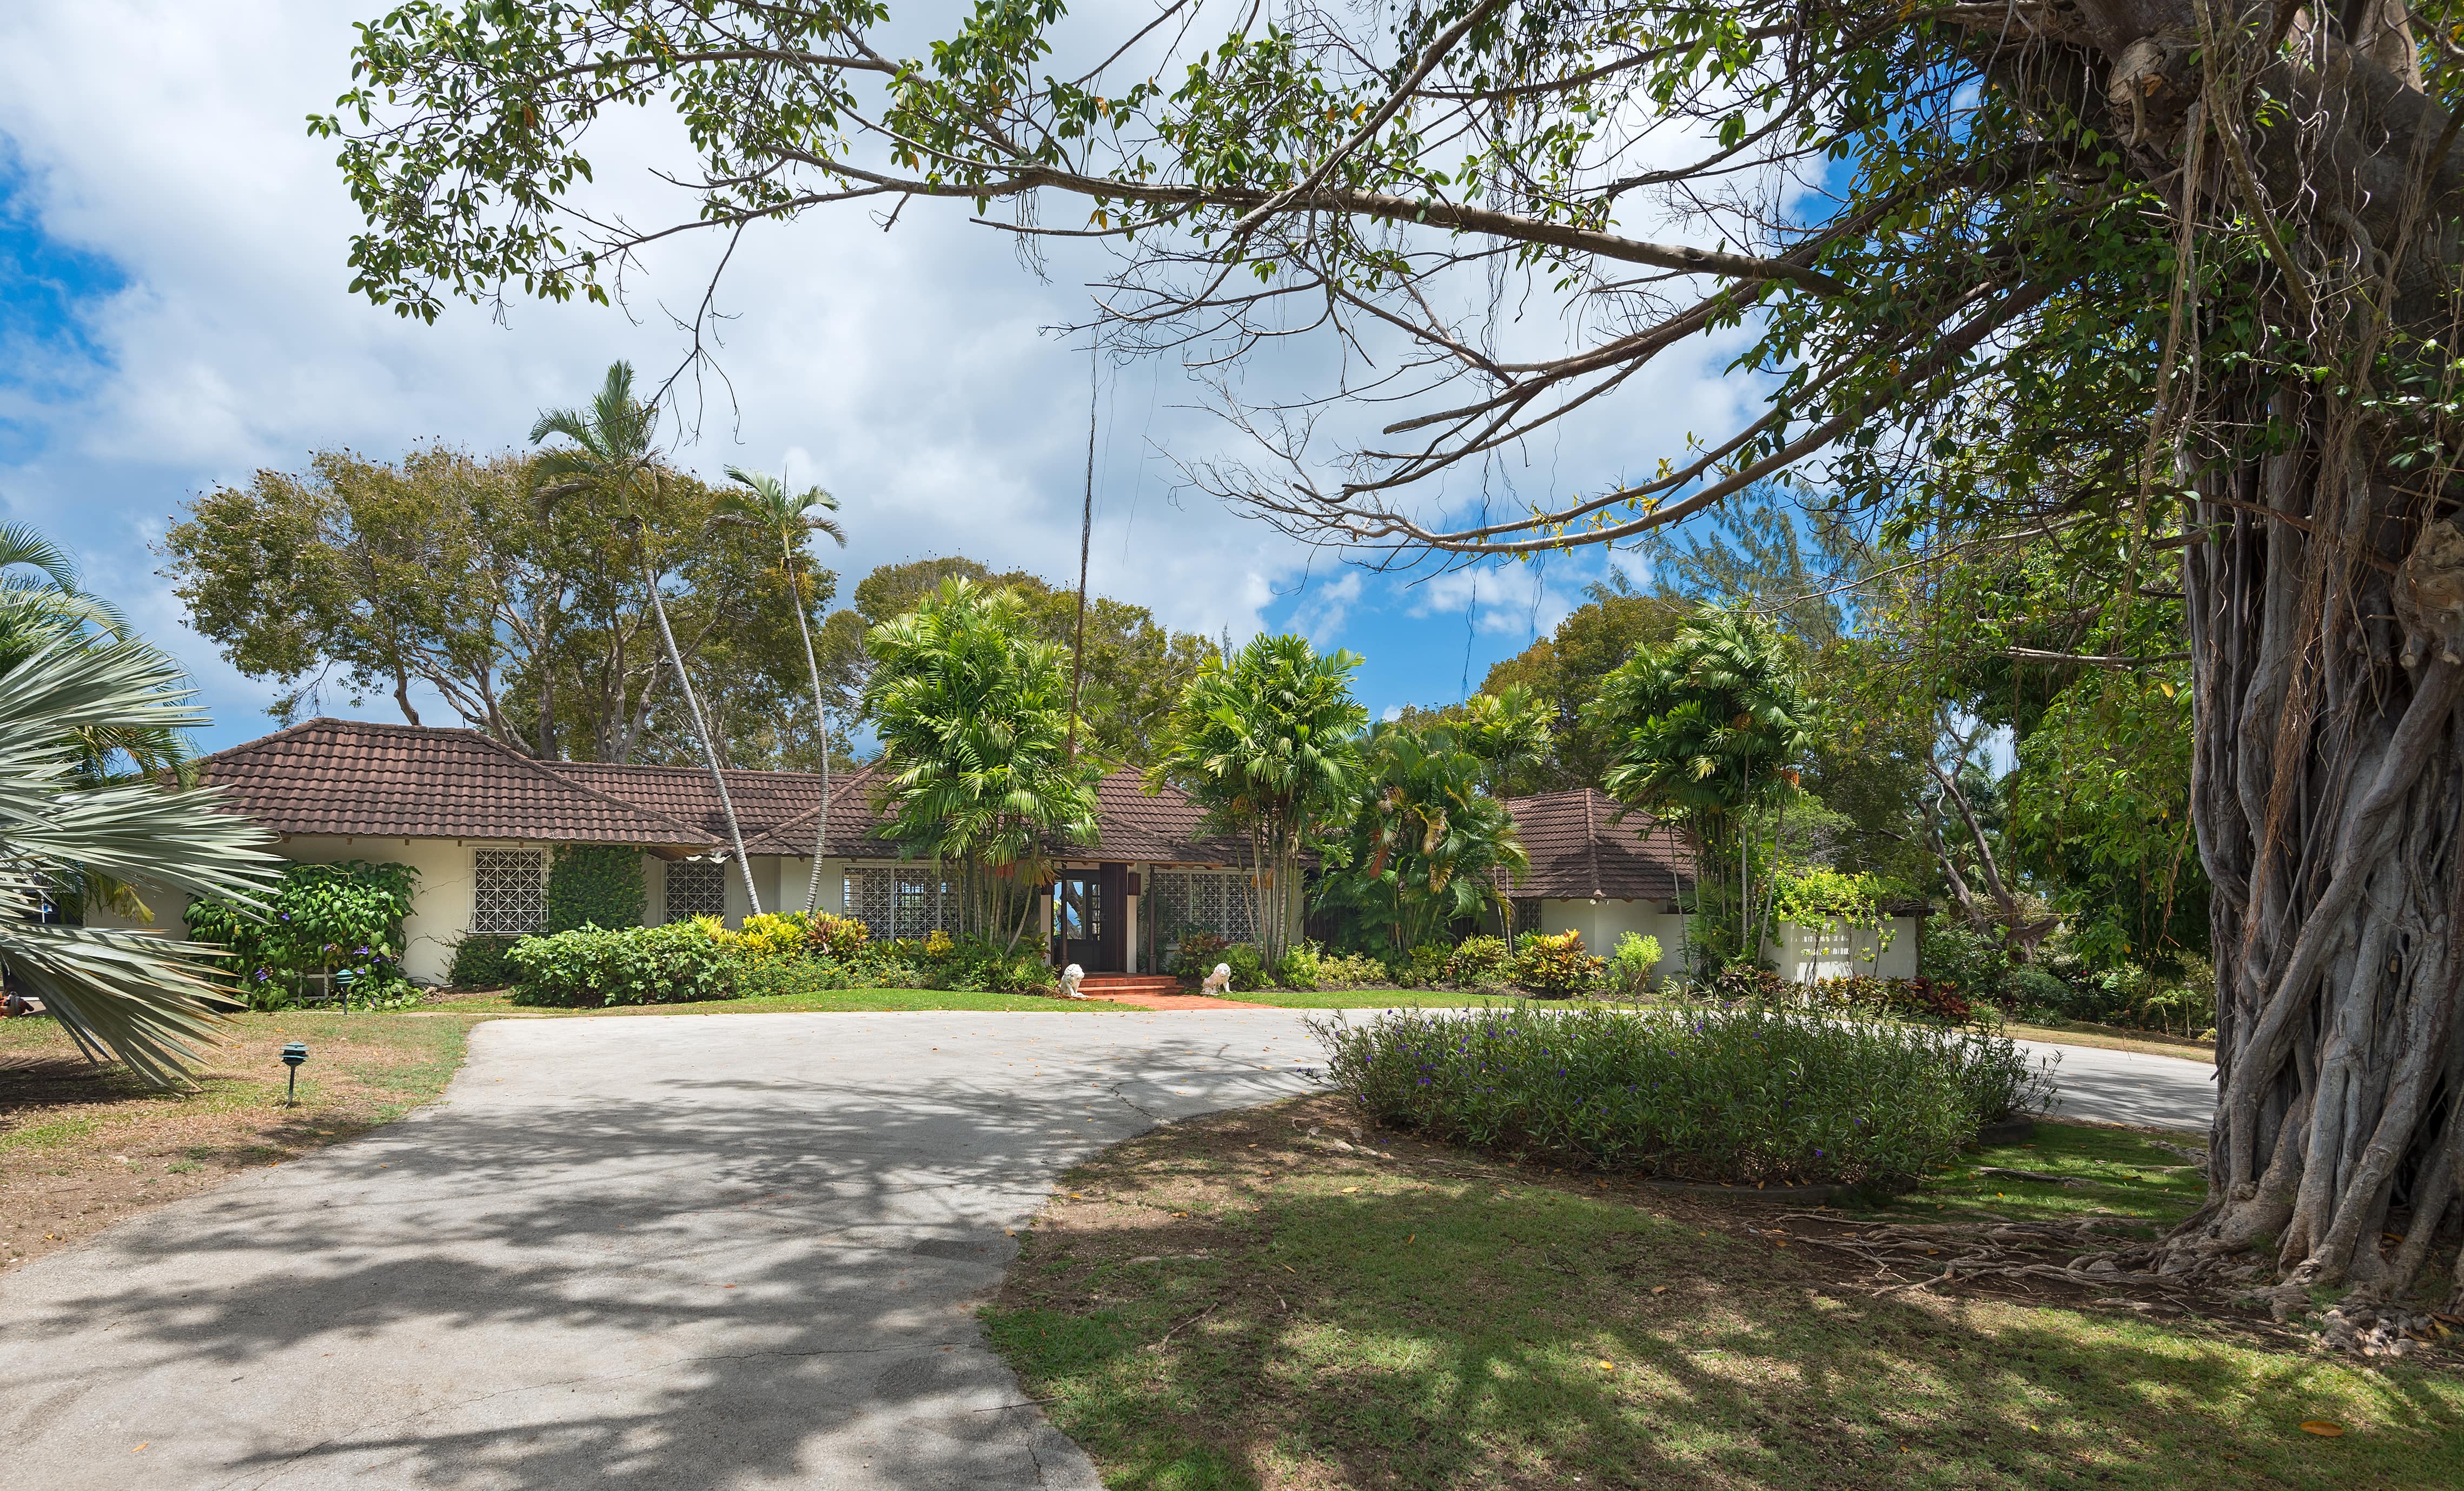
{"points": [[1219, 981], [1069, 977]]}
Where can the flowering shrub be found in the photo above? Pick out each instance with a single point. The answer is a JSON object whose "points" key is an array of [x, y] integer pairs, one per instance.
{"points": [[680, 962], [1554, 966], [1742, 1095], [341, 919]]}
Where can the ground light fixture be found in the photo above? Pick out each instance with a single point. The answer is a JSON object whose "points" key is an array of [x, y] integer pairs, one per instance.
{"points": [[293, 1054]]}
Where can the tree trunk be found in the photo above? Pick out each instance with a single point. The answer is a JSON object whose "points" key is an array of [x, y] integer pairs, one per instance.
{"points": [[2324, 611], [701, 734]]}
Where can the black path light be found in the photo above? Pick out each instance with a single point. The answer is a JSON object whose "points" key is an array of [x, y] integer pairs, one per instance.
{"points": [[291, 1055]]}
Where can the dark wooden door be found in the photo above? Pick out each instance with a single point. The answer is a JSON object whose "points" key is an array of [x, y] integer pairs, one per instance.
{"points": [[1087, 923]]}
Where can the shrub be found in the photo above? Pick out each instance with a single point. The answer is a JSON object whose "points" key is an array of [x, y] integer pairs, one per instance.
{"points": [[770, 936], [321, 918], [680, 962], [1934, 1000], [2031, 987], [1248, 968], [1554, 966], [594, 885], [1198, 953], [479, 962], [1974, 961], [1301, 967], [840, 938], [1632, 965], [1479, 960], [1351, 970], [1745, 983], [1427, 964], [975, 965], [1742, 1095]]}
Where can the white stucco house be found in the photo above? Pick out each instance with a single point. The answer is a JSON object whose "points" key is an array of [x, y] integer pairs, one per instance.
{"points": [[478, 822], [1601, 870]]}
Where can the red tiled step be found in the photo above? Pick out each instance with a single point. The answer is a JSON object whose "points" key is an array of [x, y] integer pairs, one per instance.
{"points": [[1129, 984]]}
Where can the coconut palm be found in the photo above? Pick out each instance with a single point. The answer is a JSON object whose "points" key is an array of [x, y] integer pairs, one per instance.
{"points": [[146, 1000], [614, 456], [973, 711], [766, 504], [1267, 740]]}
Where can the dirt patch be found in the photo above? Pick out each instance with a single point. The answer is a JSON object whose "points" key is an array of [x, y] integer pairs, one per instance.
{"points": [[83, 1145]]}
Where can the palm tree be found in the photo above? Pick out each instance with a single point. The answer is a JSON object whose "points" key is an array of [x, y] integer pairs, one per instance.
{"points": [[1705, 730], [146, 1000], [614, 456], [1426, 834], [973, 711], [1267, 740], [1508, 731], [765, 504]]}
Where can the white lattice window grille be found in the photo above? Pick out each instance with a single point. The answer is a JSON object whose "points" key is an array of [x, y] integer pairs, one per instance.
{"points": [[920, 899], [695, 889], [1202, 901], [508, 891], [867, 899]]}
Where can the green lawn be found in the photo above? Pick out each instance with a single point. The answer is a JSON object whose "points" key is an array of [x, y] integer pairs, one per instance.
{"points": [[1373, 998], [1224, 1303], [2112, 1171]]}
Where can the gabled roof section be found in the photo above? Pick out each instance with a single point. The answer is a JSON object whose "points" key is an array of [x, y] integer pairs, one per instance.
{"points": [[1579, 854], [1131, 826], [357, 777], [764, 799]]}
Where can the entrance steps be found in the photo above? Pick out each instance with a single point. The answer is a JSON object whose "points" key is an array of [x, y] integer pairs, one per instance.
{"points": [[1148, 985]]}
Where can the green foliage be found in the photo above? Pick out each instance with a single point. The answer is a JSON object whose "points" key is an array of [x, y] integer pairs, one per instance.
{"points": [[1427, 840], [1631, 966], [2100, 806], [1745, 1095], [1248, 968], [680, 962], [439, 569], [1479, 960], [1351, 970], [973, 712], [1134, 668], [1555, 966], [1199, 952], [1932, 1001], [1562, 672], [320, 918], [594, 885], [480, 961], [1267, 742], [1974, 963], [1816, 896]]}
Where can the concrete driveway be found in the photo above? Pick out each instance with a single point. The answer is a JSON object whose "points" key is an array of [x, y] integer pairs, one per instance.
{"points": [[688, 1252]]}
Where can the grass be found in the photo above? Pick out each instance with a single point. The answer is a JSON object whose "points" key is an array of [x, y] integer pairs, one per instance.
{"points": [[1226, 1303], [82, 1146], [2105, 1170], [2112, 1038], [1375, 999]]}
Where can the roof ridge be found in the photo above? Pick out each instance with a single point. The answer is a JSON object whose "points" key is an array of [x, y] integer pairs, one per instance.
{"points": [[543, 769]]}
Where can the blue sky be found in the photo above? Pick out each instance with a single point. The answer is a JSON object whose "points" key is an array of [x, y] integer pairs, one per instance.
{"points": [[174, 315]]}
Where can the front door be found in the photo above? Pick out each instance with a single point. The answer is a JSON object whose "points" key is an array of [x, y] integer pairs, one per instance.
{"points": [[1086, 919]]}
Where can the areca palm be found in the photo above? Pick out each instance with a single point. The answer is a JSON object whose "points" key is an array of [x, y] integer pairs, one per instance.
{"points": [[973, 713], [1707, 730], [146, 1000], [1508, 731], [765, 504], [1427, 831], [614, 456], [1268, 743]]}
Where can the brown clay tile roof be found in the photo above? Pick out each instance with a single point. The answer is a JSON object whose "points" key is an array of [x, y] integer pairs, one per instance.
{"points": [[1578, 854], [353, 776], [764, 799]]}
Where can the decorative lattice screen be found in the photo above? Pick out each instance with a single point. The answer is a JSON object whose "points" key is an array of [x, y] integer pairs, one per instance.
{"points": [[696, 890], [900, 903], [1204, 901], [508, 891]]}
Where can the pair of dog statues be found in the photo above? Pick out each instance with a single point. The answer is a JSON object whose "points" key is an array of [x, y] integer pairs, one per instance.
{"points": [[1216, 982]]}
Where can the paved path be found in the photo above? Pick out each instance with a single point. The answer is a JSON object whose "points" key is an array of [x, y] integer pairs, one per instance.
{"points": [[688, 1252]]}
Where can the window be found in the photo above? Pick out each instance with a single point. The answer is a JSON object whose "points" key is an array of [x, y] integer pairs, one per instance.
{"points": [[695, 888], [509, 891], [1204, 901], [901, 902]]}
